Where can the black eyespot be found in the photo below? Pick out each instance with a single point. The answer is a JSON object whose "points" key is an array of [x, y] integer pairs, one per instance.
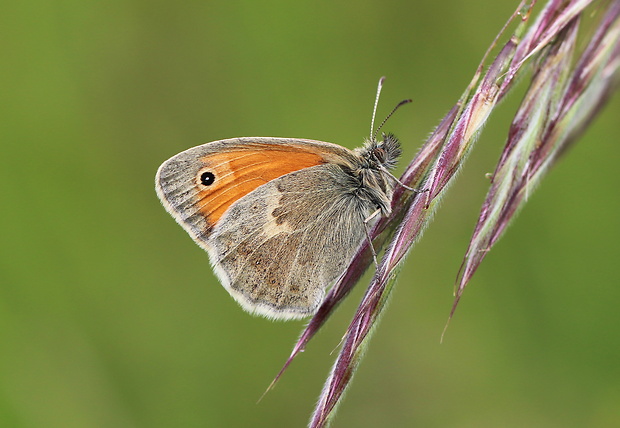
{"points": [[207, 178]]}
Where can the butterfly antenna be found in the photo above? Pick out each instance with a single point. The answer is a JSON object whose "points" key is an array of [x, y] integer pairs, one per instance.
{"points": [[374, 110], [400, 104]]}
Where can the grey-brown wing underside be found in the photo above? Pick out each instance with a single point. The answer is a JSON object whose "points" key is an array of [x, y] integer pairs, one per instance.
{"points": [[278, 248]]}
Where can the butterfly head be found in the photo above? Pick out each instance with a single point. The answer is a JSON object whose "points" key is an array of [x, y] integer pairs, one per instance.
{"points": [[376, 157], [383, 153]]}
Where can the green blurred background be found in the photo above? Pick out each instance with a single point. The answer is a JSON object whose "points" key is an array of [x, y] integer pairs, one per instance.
{"points": [[109, 313]]}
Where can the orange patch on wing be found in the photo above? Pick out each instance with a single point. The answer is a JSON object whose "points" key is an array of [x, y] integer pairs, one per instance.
{"points": [[239, 172]]}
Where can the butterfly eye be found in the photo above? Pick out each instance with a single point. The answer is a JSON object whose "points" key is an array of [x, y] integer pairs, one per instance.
{"points": [[207, 178], [378, 154]]}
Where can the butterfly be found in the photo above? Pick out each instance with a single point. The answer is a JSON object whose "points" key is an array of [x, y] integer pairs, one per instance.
{"points": [[281, 218]]}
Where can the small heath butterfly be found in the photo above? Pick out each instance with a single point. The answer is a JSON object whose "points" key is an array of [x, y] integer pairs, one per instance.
{"points": [[280, 218]]}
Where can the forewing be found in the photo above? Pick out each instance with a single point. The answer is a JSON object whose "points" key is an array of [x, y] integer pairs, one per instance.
{"points": [[239, 166]]}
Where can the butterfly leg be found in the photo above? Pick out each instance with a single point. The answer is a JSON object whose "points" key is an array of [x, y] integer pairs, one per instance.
{"points": [[367, 229], [400, 183]]}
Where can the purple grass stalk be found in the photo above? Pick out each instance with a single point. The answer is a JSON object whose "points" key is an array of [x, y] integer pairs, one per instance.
{"points": [[557, 24], [435, 166], [548, 40]]}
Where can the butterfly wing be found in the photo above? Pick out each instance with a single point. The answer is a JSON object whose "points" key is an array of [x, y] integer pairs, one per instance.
{"points": [[280, 220]]}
